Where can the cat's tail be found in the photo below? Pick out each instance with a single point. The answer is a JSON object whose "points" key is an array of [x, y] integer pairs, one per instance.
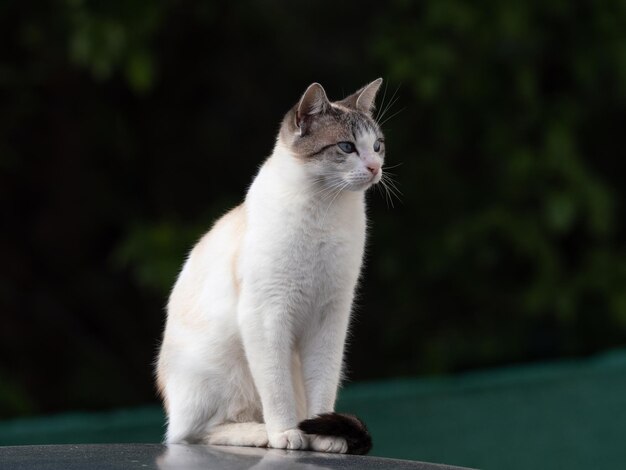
{"points": [[349, 427], [339, 425]]}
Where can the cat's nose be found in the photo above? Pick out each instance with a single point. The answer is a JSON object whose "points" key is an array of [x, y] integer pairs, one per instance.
{"points": [[373, 168]]}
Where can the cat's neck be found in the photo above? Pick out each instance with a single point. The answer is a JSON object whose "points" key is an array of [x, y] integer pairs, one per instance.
{"points": [[290, 178], [284, 188], [287, 169]]}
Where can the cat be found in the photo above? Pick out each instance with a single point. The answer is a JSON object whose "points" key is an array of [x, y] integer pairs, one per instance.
{"points": [[253, 346]]}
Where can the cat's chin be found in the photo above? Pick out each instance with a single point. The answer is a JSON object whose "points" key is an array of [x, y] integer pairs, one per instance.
{"points": [[356, 187], [361, 188]]}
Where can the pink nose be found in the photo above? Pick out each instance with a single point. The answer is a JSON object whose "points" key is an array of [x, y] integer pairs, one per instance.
{"points": [[373, 168]]}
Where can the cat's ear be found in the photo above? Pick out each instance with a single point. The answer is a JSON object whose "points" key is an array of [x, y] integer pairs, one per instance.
{"points": [[364, 99], [313, 101]]}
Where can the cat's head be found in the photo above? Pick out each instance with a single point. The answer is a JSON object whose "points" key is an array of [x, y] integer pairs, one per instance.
{"points": [[338, 143]]}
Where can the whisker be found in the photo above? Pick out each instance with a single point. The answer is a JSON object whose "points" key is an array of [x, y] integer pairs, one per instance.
{"points": [[324, 189], [385, 108], [329, 191], [391, 182], [382, 102], [387, 194], [390, 185], [343, 186], [392, 194], [392, 116], [389, 105], [380, 191], [393, 166]]}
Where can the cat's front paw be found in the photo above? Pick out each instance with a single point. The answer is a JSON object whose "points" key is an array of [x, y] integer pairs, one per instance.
{"points": [[292, 439], [333, 444]]}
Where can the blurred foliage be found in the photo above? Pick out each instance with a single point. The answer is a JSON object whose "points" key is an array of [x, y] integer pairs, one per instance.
{"points": [[127, 127], [105, 36]]}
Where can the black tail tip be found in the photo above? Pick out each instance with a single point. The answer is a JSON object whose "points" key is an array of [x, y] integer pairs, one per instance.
{"points": [[351, 428]]}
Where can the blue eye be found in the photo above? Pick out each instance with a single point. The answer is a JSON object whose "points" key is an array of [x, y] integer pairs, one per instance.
{"points": [[347, 147], [377, 145]]}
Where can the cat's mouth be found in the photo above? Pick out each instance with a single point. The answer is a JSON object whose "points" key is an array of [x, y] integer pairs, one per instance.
{"points": [[374, 179], [363, 184]]}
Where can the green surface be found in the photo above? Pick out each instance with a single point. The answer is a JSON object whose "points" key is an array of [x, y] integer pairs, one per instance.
{"points": [[558, 415]]}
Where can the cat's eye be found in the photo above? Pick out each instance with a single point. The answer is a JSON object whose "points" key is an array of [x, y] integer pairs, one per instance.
{"points": [[377, 145], [347, 147]]}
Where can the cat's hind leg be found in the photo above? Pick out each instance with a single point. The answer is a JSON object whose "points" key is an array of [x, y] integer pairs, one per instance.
{"points": [[189, 409], [238, 434]]}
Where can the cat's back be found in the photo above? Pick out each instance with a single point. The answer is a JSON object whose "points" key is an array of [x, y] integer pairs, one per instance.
{"points": [[208, 280], [223, 237]]}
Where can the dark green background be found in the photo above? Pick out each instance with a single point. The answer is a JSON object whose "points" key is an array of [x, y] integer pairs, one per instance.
{"points": [[557, 415], [126, 127]]}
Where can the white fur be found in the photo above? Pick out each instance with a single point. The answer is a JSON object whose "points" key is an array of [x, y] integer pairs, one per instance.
{"points": [[258, 317]]}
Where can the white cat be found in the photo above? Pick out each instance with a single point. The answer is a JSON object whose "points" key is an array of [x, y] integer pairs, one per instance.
{"points": [[258, 317]]}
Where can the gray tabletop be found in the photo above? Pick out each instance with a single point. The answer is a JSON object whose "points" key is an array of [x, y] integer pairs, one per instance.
{"points": [[187, 457]]}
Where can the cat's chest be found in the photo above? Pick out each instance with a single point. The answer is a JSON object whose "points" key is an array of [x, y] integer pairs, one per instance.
{"points": [[314, 266], [314, 250], [304, 247], [309, 242]]}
